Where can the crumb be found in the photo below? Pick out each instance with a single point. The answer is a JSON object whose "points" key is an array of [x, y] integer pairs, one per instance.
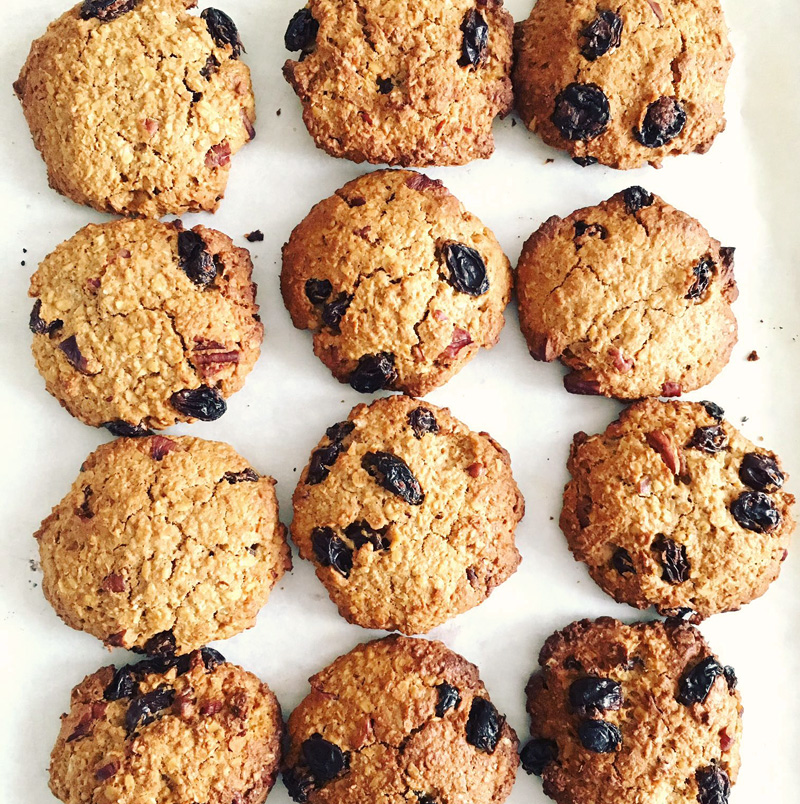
{"points": [[753, 356], [22, 263], [278, 113], [551, 519], [744, 419], [255, 236], [34, 565], [549, 161], [24, 251], [513, 122]]}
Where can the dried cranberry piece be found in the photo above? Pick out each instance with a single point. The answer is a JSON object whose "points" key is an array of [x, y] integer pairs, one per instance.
{"points": [[695, 684], [333, 312], [422, 421], [195, 261], [325, 760], [622, 562], [602, 34], [702, 272], [709, 439], [385, 85], [581, 112], [663, 121], [106, 10], [483, 725], [318, 290], [673, 560], [713, 410], [301, 32], [38, 325], [106, 771], [713, 785], [592, 695], [223, 30], [245, 476], [161, 446], [298, 784], [760, 471], [203, 403], [599, 736], [636, 198], [754, 511], [476, 39], [123, 429], [362, 533], [467, 269], [393, 474], [538, 754], [162, 644], [331, 551], [373, 372], [449, 698], [145, 708]]}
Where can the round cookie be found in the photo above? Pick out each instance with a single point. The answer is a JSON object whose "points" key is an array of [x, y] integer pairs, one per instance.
{"points": [[626, 714], [160, 541], [632, 295], [138, 106], [402, 84], [399, 283], [176, 730], [623, 84], [672, 507], [403, 720], [408, 516], [142, 324]]}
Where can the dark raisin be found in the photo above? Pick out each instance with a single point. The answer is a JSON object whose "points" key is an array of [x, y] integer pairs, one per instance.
{"points": [[754, 511], [333, 312], [590, 230], [143, 710], [125, 430], [223, 30], [592, 695], [210, 67], [714, 410], [324, 759], [298, 784], [713, 785], [476, 39], [695, 684], [69, 346], [581, 112], [302, 31], [245, 476], [483, 725], [123, 684], [38, 325], [730, 677], [361, 533], [467, 269], [601, 35], [373, 372], [709, 439], [162, 644], [424, 799], [321, 461], [673, 560], [760, 472], [537, 755], [385, 85], [449, 698], [392, 473], [331, 551], [636, 198], [599, 736], [106, 10], [211, 658], [584, 161], [195, 261], [256, 236], [622, 562], [664, 120], [702, 276], [203, 403], [339, 431], [422, 421]]}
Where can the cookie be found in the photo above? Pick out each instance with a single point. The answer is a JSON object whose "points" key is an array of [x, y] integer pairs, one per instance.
{"points": [[408, 516], [673, 507], [137, 106], [399, 283], [402, 84], [632, 295], [625, 85], [401, 720], [141, 324], [163, 540], [626, 714], [175, 730]]}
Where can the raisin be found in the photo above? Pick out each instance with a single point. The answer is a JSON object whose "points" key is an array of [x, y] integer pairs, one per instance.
{"points": [[333, 312], [467, 269], [760, 472], [223, 30], [592, 695], [373, 372], [106, 10], [126, 430], [673, 560], [298, 784], [663, 121], [730, 677], [385, 85], [203, 403], [331, 551], [210, 67], [324, 759], [476, 39], [713, 785], [636, 198], [702, 276], [339, 431], [713, 410], [754, 511], [106, 771], [123, 684], [143, 710], [599, 736], [602, 34], [483, 725], [424, 799], [162, 644], [361, 533], [538, 754], [449, 698], [69, 346], [301, 34], [584, 161], [245, 476], [581, 112], [392, 473], [591, 229], [195, 261], [695, 684], [320, 464], [211, 658], [622, 562], [422, 421], [38, 325], [709, 439]]}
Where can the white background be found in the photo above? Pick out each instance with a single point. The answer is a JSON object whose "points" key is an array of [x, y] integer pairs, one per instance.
{"points": [[744, 191]]}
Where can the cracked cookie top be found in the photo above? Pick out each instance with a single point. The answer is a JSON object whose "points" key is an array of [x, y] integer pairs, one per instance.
{"points": [[399, 283], [632, 295], [673, 507], [137, 106], [142, 324], [162, 539], [623, 83], [402, 84], [405, 717], [625, 714], [408, 516], [176, 730]]}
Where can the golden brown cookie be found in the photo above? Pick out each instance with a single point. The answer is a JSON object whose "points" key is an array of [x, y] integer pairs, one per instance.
{"points": [[172, 730], [624, 83], [160, 540], [673, 507], [403, 84], [142, 324], [630, 714], [632, 295], [138, 106], [399, 283], [408, 516], [402, 721]]}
